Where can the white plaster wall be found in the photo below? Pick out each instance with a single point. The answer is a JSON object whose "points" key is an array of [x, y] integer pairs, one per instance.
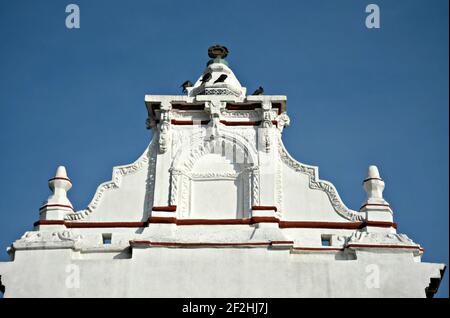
{"points": [[212, 199], [301, 203], [214, 272], [126, 203]]}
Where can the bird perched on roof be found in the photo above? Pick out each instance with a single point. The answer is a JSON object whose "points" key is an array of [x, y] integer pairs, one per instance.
{"points": [[221, 78], [186, 85], [206, 78], [259, 91]]}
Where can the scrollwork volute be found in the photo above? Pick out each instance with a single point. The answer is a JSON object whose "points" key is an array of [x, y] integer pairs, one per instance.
{"points": [[317, 184]]}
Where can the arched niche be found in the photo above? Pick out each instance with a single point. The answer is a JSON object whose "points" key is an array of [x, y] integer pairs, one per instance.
{"points": [[216, 179]]}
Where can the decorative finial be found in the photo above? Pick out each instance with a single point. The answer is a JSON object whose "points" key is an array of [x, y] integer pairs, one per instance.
{"points": [[376, 207], [217, 51], [374, 186], [57, 204]]}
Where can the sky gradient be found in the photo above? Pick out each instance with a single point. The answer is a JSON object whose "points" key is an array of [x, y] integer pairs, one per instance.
{"points": [[356, 96]]}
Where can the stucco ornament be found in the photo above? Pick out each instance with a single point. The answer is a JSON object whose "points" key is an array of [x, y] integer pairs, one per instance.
{"points": [[48, 239], [362, 239]]}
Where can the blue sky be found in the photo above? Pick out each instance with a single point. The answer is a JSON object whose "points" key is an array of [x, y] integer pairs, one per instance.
{"points": [[356, 96]]}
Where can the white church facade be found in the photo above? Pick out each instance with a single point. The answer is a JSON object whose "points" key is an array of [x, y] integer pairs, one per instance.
{"points": [[217, 207]]}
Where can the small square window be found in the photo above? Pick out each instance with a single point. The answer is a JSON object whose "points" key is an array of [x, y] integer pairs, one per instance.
{"points": [[326, 240], [106, 237]]}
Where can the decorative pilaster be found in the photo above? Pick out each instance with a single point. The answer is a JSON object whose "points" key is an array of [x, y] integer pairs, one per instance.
{"points": [[255, 186], [164, 133], [265, 131]]}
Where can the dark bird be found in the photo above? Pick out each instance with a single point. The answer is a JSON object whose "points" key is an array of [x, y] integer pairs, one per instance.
{"points": [[259, 91], [186, 85], [221, 79], [206, 78]]}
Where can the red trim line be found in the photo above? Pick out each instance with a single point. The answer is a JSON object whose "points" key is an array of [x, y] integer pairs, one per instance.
{"points": [[253, 220], [243, 106], [251, 106], [209, 221], [188, 122], [169, 208], [335, 225], [240, 123], [282, 242], [380, 224], [374, 204], [321, 225], [269, 219], [317, 249], [104, 224], [199, 244], [206, 244], [90, 224], [60, 178], [264, 208], [188, 107], [161, 219], [49, 222], [384, 246], [56, 205], [368, 179]]}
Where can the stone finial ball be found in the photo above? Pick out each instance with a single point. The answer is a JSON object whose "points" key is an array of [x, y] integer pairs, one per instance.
{"points": [[217, 51]]}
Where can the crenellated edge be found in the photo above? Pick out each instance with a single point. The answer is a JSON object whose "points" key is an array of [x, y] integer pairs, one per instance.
{"points": [[316, 184]]}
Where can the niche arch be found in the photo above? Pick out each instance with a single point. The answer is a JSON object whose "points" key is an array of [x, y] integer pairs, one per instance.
{"points": [[217, 178]]}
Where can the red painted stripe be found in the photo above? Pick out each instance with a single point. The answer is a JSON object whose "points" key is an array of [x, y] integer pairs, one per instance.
{"points": [[188, 107], [334, 225], [282, 242], [160, 219], [70, 224], [199, 244], [374, 204], [321, 225], [380, 224], [264, 219], [264, 208], [56, 205], [368, 179], [49, 222], [240, 123], [253, 220], [384, 246], [188, 122], [317, 249], [169, 208], [243, 106], [104, 224], [60, 178], [209, 221]]}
